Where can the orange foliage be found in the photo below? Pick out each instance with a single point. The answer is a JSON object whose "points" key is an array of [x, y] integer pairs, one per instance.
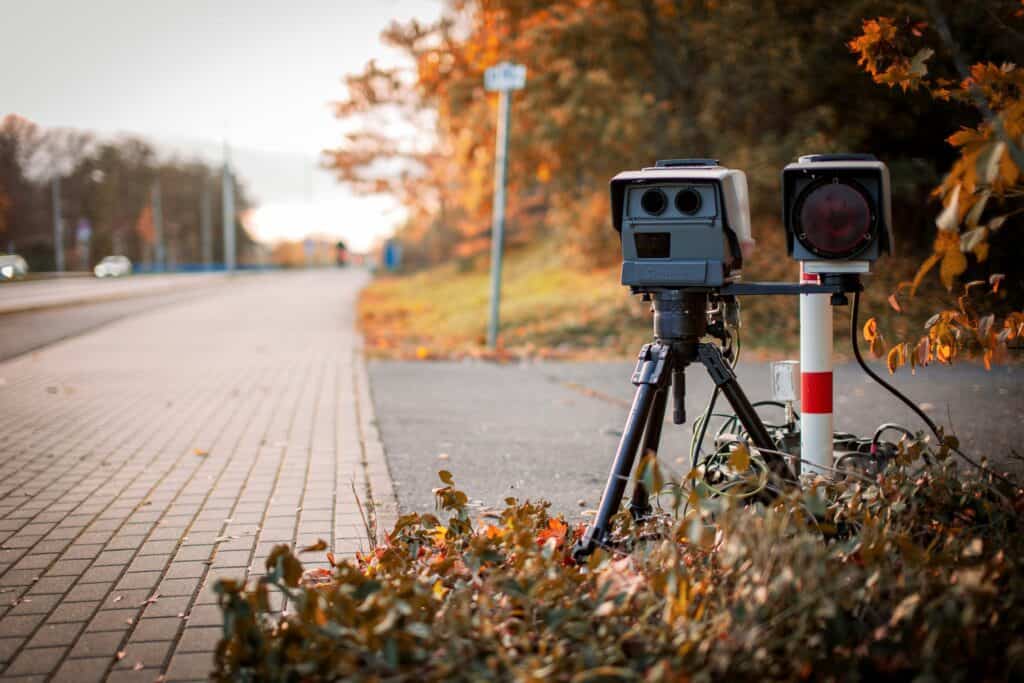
{"points": [[979, 193]]}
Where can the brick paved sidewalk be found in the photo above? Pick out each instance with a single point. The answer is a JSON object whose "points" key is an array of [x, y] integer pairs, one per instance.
{"points": [[142, 461]]}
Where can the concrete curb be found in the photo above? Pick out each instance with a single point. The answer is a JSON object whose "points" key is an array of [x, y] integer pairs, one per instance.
{"points": [[378, 475]]}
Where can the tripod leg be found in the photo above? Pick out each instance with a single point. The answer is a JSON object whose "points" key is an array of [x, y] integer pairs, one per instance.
{"points": [[725, 379], [640, 506], [648, 378]]}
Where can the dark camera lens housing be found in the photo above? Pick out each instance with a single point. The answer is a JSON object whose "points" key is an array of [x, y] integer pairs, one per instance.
{"points": [[653, 201], [688, 201], [834, 218]]}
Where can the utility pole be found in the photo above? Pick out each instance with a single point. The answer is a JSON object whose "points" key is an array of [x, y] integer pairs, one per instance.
{"points": [[58, 226], [228, 201], [504, 78], [206, 224], [158, 227]]}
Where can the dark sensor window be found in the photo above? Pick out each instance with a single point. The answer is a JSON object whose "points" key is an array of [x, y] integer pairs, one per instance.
{"points": [[653, 201], [688, 201], [834, 219], [653, 244]]}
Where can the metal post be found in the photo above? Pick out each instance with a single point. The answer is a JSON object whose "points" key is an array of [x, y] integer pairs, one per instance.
{"points": [[158, 227], [815, 377], [228, 202], [498, 219], [206, 224], [58, 227]]}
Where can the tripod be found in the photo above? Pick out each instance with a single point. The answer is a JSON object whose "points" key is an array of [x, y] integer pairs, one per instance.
{"points": [[680, 320]]}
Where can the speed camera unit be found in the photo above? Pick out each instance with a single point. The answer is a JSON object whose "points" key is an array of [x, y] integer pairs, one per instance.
{"points": [[681, 224], [837, 211]]}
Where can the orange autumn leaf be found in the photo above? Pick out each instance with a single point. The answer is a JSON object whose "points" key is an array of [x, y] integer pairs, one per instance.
{"points": [[320, 544], [871, 330], [557, 530]]}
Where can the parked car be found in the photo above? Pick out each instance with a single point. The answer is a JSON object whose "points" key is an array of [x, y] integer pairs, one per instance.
{"points": [[12, 267], [113, 266]]}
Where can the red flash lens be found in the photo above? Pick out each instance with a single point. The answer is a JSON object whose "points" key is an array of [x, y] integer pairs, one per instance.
{"points": [[834, 220]]}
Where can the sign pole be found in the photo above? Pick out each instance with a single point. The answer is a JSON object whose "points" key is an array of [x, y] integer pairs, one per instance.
{"points": [[815, 377], [504, 78], [498, 217]]}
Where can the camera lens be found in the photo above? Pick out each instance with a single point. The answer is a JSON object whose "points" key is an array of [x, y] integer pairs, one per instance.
{"points": [[688, 201], [653, 201], [834, 220]]}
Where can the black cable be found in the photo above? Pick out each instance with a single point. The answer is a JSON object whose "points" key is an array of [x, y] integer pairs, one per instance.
{"points": [[855, 343]]}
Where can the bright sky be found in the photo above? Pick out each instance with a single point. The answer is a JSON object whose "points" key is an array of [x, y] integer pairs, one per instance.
{"points": [[189, 73]]}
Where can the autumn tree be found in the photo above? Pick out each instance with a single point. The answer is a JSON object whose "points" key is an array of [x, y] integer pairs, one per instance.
{"points": [[109, 184], [616, 84], [977, 242]]}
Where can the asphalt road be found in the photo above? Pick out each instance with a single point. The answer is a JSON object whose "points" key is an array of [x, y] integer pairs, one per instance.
{"points": [[36, 314], [27, 330], [548, 430], [66, 291]]}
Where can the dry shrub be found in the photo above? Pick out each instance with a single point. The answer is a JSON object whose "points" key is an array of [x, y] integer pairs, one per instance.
{"points": [[914, 574]]}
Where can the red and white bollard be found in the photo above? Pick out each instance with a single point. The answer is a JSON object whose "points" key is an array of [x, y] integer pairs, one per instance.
{"points": [[815, 377]]}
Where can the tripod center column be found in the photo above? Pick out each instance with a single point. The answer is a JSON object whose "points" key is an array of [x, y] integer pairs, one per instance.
{"points": [[680, 316]]}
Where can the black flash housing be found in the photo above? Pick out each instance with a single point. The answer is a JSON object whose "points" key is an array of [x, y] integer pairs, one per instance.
{"points": [[837, 208]]}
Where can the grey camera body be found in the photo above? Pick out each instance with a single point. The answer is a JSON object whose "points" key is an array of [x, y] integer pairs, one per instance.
{"points": [[681, 224], [869, 178]]}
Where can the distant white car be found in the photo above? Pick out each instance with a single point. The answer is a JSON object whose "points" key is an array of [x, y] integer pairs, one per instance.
{"points": [[12, 267], [113, 266]]}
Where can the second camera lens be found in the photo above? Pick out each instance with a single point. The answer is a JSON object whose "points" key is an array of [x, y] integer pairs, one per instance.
{"points": [[688, 201]]}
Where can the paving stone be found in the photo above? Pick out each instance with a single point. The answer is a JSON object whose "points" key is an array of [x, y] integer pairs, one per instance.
{"points": [[156, 628], [169, 606], [114, 557], [113, 620], [205, 615], [199, 639], [68, 568], [71, 611], [8, 646], [35, 604], [151, 654], [91, 670], [59, 634], [102, 574], [149, 563], [50, 584], [190, 666], [98, 644], [88, 592], [37, 661], [186, 570], [178, 586], [36, 561], [136, 580], [22, 626]]}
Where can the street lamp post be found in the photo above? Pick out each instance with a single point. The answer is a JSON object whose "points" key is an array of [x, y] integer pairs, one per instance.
{"points": [[58, 226], [503, 78], [228, 215]]}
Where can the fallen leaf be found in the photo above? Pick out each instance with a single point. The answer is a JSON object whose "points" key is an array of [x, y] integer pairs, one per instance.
{"points": [[200, 452], [320, 544], [739, 459]]}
